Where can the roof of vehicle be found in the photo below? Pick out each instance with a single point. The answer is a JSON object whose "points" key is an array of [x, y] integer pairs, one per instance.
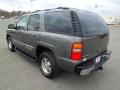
{"points": [[59, 9], [53, 9], [83, 12]]}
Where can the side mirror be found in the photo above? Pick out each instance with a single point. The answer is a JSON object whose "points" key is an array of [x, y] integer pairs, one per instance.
{"points": [[11, 26]]}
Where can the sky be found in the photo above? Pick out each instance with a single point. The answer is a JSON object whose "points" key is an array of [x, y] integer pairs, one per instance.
{"points": [[102, 7]]}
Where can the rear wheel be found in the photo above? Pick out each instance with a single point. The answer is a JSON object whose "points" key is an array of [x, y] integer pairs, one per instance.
{"points": [[48, 65], [10, 44]]}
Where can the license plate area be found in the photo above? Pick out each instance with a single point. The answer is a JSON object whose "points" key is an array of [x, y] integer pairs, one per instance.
{"points": [[98, 59]]}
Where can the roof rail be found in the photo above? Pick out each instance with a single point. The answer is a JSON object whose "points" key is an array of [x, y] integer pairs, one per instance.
{"points": [[51, 9], [62, 8], [36, 11]]}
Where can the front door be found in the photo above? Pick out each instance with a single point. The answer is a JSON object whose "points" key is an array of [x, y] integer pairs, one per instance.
{"points": [[18, 32]]}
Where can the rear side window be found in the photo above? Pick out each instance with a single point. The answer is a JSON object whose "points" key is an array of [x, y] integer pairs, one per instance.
{"points": [[58, 22], [92, 24], [34, 22]]}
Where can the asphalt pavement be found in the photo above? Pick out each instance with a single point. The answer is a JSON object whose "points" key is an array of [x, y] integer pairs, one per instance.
{"points": [[17, 72]]}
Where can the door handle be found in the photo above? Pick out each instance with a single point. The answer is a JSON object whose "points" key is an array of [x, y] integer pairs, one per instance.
{"points": [[35, 36], [14, 32]]}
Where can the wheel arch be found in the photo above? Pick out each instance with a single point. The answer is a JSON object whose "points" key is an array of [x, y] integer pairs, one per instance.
{"points": [[40, 49]]}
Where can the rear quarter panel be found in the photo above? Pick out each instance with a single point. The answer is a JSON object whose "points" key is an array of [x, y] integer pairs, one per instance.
{"points": [[59, 43]]}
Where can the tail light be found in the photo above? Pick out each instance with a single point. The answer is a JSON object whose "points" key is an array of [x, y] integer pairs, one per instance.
{"points": [[77, 49]]}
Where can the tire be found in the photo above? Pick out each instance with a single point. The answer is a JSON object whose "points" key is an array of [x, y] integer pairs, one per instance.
{"points": [[11, 47], [52, 67]]}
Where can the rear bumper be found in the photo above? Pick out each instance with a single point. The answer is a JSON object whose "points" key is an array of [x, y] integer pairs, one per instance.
{"points": [[78, 66]]}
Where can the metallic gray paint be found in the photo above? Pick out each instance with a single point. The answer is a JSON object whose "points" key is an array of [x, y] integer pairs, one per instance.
{"points": [[60, 44]]}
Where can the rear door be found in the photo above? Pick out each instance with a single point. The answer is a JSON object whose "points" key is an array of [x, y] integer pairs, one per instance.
{"points": [[95, 34], [31, 34], [94, 45]]}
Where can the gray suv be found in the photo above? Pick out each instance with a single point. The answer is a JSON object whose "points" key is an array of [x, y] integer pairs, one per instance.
{"points": [[61, 39]]}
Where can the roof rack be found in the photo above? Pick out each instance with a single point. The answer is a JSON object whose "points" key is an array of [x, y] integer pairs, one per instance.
{"points": [[62, 8], [51, 9]]}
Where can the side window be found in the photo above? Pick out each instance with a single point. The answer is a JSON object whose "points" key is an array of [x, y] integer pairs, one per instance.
{"points": [[34, 22], [22, 23], [58, 22]]}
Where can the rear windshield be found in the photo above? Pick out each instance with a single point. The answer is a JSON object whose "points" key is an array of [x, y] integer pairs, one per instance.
{"points": [[92, 24]]}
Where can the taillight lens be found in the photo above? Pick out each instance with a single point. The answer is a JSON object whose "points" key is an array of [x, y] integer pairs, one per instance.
{"points": [[76, 53]]}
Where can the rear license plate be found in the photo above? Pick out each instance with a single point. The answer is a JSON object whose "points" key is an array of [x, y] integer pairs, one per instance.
{"points": [[97, 60]]}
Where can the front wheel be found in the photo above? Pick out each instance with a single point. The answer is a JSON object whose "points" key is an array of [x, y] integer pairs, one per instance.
{"points": [[48, 65], [10, 44]]}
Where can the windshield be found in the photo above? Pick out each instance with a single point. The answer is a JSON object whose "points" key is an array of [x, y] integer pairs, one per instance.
{"points": [[92, 24]]}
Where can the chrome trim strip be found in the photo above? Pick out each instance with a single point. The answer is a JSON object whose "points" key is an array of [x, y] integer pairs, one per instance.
{"points": [[23, 44]]}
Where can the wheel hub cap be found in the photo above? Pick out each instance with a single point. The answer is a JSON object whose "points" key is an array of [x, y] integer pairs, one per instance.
{"points": [[10, 44], [46, 66]]}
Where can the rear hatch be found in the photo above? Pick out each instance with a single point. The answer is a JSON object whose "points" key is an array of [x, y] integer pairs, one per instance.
{"points": [[95, 34]]}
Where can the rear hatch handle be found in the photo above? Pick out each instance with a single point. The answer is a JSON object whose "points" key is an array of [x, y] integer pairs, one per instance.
{"points": [[102, 35]]}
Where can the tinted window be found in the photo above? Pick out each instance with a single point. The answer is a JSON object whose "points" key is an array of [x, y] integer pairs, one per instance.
{"points": [[22, 23], [34, 22], [58, 22], [92, 24]]}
